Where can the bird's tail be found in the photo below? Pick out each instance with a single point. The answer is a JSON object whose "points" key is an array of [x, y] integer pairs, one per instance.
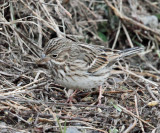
{"points": [[131, 51]]}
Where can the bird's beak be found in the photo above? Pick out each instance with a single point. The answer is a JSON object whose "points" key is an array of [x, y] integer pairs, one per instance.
{"points": [[43, 60]]}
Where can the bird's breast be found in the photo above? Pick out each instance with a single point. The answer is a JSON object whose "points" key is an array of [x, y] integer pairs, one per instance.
{"points": [[76, 77]]}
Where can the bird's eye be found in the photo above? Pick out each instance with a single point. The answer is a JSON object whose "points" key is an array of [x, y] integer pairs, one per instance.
{"points": [[54, 55]]}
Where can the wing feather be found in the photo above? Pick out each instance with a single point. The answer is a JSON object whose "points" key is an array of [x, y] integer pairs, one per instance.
{"points": [[96, 57]]}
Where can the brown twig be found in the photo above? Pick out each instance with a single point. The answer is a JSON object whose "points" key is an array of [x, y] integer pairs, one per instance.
{"points": [[20, 88], [133, 115], [128, 130], [129, 20], [136, 107]]}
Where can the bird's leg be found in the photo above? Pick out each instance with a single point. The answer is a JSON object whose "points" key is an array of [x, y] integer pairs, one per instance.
{"points": [[70, 97], [100, 95]]}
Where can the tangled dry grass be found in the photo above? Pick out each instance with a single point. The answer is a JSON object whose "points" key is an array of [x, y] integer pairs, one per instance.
{"points": [[29, 99]]}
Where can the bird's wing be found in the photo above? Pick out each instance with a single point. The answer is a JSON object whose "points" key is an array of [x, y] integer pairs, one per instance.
{"points": [[96, 57], [108, 57], [103, 59]]}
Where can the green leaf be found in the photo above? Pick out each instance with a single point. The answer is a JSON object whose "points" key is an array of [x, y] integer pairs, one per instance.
{"points": [[114, 130], [65, 127], [158, 16], [158, 53], [102, 36], [138, 44], [117, 108]]}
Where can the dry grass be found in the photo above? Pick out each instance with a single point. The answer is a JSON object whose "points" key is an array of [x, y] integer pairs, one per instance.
{"points": [[29, 99]]}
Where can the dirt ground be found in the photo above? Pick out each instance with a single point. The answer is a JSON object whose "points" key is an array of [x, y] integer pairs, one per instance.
{"points": [[30, 101]]}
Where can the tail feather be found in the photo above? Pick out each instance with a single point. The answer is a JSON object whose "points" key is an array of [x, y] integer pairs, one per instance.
{"points": [[131, 51], [125, 53]]}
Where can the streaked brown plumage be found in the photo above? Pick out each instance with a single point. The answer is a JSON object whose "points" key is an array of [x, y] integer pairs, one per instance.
{"points": [[77, 65]]}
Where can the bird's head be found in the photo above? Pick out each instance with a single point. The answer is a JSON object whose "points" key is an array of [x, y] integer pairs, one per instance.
{"points": [[56, 51]]}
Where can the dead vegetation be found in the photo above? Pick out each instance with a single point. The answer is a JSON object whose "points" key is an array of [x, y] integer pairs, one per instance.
{"points": [[29, 99]]}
